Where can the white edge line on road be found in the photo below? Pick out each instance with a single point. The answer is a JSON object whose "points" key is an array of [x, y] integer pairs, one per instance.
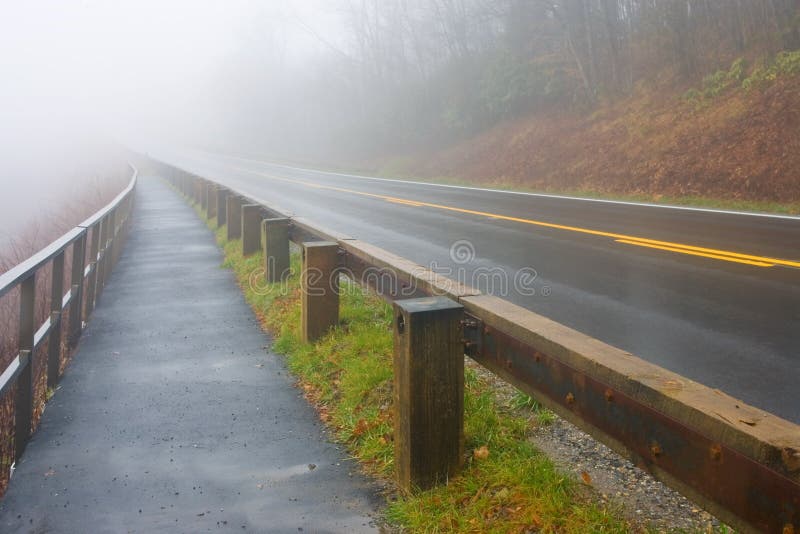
{"points": [[523, 193]]}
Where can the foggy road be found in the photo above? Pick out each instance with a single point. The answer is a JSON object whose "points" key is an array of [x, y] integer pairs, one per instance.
{"points": [[714, 296]]}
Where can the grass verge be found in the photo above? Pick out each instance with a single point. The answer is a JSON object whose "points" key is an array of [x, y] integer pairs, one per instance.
{"points": [[507, 485], [686, 201], [399, 169], [402, 169]]}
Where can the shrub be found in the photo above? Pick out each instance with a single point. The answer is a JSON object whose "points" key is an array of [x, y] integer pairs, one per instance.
{"points": [[785, 64]]}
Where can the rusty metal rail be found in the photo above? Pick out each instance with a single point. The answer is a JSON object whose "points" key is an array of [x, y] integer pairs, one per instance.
{"points": [[739, 462], [104, 234]]}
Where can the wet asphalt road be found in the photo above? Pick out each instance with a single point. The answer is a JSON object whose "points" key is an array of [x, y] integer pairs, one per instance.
{"points": [[731, 325], [172, 416]]}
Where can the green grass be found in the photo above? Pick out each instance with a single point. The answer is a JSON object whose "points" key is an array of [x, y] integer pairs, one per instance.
{"points": [[347, 375], [507, 485], [521, 401], [515, 488]]}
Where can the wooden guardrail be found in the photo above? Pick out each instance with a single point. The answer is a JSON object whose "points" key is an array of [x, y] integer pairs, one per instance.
{"points": [[739, 462], [95, 244]]}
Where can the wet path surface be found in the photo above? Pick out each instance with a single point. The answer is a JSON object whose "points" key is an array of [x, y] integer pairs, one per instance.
{"points": [[173, 417]]}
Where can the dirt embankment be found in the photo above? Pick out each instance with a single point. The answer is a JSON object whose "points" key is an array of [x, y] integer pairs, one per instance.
{"points": [[744, 145]]}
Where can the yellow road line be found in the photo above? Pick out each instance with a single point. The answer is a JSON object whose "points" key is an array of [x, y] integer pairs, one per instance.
{"points": [[748, 259], [711, 251], [694, 253], [405, 202]]}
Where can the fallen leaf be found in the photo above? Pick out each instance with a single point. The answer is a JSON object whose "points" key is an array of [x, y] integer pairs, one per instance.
{"points": [[481, 453], [361, 427], [587, 479]]}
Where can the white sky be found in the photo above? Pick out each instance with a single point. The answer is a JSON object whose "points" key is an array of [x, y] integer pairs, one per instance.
{"points": [[73, 69], [105, 60]]}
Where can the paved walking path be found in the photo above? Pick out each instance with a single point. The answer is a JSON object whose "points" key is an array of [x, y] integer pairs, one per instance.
{"points": [[172, 416]]}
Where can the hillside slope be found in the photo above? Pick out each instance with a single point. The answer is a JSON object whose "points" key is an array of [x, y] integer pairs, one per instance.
{"points": [[737, 143]]}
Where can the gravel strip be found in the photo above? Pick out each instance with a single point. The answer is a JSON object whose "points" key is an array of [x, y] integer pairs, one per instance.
{"points": [[646, 502]]}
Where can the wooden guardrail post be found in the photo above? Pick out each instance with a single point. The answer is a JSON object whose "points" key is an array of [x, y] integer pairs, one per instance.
{"points": [[234, 217], [319, 285], [276, 249], [203, 186], [76, 289], [222, 207], [23, 402], [428, 391], [54, 342], [251, 229], [211, 207]]}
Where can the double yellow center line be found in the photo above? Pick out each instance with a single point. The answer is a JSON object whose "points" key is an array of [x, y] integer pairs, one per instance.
{"points": [[723, 255]]}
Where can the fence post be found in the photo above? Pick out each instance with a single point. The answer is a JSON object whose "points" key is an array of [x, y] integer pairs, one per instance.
{"points": [[76, 289], [198, 190], [276, 249], [91, 285], [23, 403], [319, 285], [111, 244], [203, 195], [222, 206], [234, 216], [251, 229], [428, 391], [54, 342], [211, 208], [101, 263]]}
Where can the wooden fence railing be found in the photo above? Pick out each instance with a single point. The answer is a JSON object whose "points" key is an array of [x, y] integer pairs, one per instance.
{"points": [[95, 244]]}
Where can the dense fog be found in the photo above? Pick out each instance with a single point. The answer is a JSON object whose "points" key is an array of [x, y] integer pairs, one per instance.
{"points": [[79, 78], [322, 81]]}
